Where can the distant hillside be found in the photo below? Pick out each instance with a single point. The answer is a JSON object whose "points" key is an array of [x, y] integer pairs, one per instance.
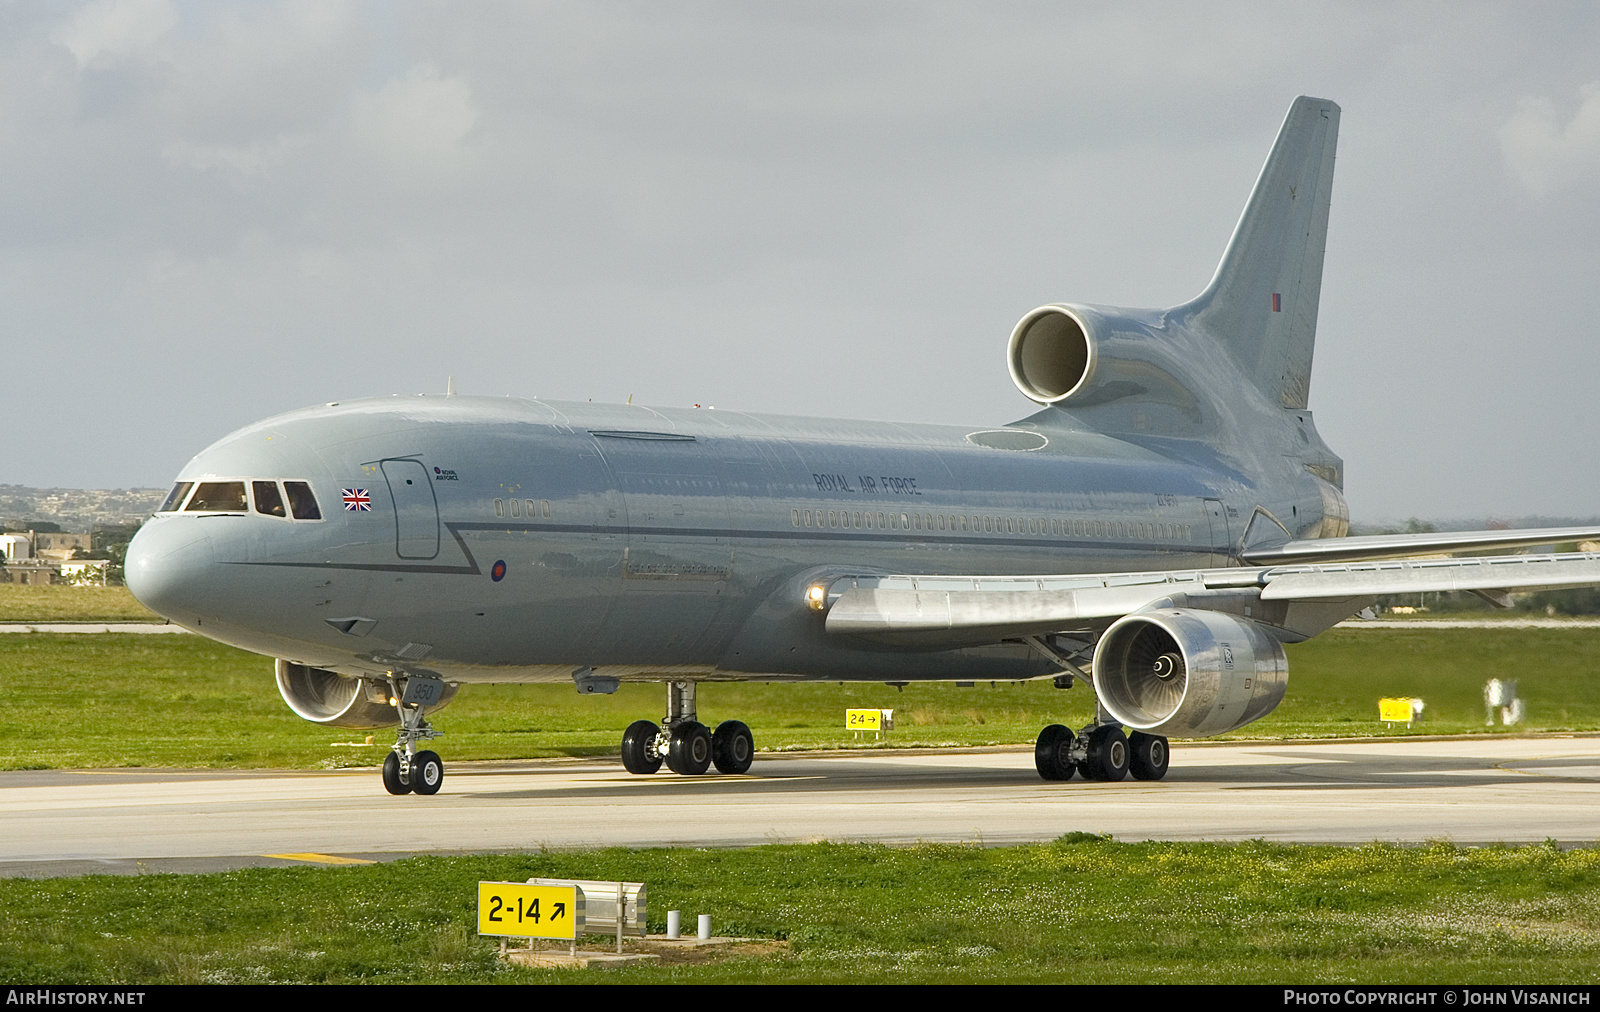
{"points": [[77, 509]]}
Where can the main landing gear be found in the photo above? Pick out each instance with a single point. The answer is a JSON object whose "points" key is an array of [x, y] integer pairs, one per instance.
{"points": [[407, 770], [686, 745], [1099, 752]]}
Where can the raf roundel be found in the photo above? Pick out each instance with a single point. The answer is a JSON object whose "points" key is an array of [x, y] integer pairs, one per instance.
{"points": [[498, 571]]}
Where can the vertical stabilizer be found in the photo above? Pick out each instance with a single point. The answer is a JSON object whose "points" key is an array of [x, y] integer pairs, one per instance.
{"points": [[1262, 303]]}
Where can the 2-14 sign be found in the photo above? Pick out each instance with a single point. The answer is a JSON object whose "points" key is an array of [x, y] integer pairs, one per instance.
{"points": [[529, 911]]}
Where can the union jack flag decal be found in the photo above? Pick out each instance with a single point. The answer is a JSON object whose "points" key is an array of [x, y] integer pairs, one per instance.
{"points": [[357, 499]]}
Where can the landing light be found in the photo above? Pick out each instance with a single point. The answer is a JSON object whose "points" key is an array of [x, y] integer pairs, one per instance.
{"points": [[817, 596]]}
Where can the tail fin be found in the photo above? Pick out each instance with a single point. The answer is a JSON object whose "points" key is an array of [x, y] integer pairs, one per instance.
{"points": [[1262, 303]]}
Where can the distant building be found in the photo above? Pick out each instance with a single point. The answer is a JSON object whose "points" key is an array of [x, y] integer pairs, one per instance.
{"points": [[32, 571]]}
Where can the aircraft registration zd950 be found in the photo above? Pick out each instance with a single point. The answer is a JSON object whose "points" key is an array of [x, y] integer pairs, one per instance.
{"points": [[1160, 528]]}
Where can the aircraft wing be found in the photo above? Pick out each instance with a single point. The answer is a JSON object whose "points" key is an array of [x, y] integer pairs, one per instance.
{"points": [[1393, 546], [1297, 602]]}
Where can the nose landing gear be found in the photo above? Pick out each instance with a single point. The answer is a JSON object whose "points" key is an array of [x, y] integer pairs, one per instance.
{"points": [[405, 769], [687, 746]]}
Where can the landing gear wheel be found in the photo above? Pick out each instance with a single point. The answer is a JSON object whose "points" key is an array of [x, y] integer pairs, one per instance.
{"points": [[639, 753], [1147, 756], [732, 747], [391, 775], [1051, 753], [427, 773], [690, 751], [1107, 757]]}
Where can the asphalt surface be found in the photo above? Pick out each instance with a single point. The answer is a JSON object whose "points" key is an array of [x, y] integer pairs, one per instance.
{"points": [[1476, 790]]}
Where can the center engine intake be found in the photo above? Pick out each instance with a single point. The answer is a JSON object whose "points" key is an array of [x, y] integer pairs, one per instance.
{"points": [[1188, 673]]}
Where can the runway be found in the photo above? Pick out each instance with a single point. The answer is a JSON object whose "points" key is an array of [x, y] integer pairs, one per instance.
{"points": [[1477, 790]]}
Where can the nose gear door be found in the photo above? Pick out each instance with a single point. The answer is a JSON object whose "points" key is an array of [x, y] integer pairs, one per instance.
{"points": [[416, 511]]}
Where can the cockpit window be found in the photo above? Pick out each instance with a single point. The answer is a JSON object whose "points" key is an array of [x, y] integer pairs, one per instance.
{"points": [[176, 496], [301, 502], [217, 497], [268, 500]]}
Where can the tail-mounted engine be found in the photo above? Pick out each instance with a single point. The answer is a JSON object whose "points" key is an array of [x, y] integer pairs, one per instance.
{"points": [[326, 697], [1188, 673], [1052, 353]]}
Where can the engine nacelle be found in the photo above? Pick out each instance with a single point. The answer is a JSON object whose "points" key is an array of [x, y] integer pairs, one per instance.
{"points": [[1052, 353], [1188, 673], [327, 697]]}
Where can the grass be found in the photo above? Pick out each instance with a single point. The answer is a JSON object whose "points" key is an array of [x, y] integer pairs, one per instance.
{"points": [[1081, 909], [57, 602], [179, 700]]}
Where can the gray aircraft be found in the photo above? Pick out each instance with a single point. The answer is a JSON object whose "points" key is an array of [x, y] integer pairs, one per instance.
{"points": [[1159, 529]]}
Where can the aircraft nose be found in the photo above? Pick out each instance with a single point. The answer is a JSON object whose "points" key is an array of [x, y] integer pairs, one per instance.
{"points": [[170, 566]]}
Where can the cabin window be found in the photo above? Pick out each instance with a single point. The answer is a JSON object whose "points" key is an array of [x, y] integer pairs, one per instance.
{"points": [[544, 508], [175, 498], [516, 507], [217, 497], [794, 517], [302, 504], [905, 522], [268, 499], [499, 507]]}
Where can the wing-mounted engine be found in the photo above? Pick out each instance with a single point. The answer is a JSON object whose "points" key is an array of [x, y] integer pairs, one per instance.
{"points": [[1146, 376], [327, 697], [1188, 673]]}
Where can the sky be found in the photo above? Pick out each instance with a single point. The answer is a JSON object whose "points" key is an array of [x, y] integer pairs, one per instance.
{"points": [[214, 212]]}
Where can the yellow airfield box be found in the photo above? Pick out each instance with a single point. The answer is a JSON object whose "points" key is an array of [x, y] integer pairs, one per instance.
{"points": [[869, 720], [863, 720], [530, 911], [1396, 709]]}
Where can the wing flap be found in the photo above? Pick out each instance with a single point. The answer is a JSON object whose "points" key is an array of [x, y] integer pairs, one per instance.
{"points": [[947, 610], [1394, 546], [1410, 576], [1004, 612]]}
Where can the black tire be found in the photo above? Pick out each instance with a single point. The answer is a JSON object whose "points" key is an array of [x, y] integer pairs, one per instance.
{"points": [[427, 773], [733, 748], [1107, 758], [391, 775], [639, 753], [690, 751], [1051, 753], [1148, 756]]}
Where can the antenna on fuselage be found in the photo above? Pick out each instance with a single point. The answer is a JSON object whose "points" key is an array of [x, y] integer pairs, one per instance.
{"points": [[450, 386]]}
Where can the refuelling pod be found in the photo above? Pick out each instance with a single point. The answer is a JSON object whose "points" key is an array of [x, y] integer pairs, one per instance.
{"points": [[326, 697], [1188, 673]]}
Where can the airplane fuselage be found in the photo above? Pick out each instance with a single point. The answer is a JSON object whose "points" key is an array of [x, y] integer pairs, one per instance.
{"points": [[500, 539]]}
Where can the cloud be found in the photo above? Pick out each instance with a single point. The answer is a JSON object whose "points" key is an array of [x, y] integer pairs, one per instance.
{"points": [[112, 30], [255, 159], [1547, 155], [416, 122]]}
